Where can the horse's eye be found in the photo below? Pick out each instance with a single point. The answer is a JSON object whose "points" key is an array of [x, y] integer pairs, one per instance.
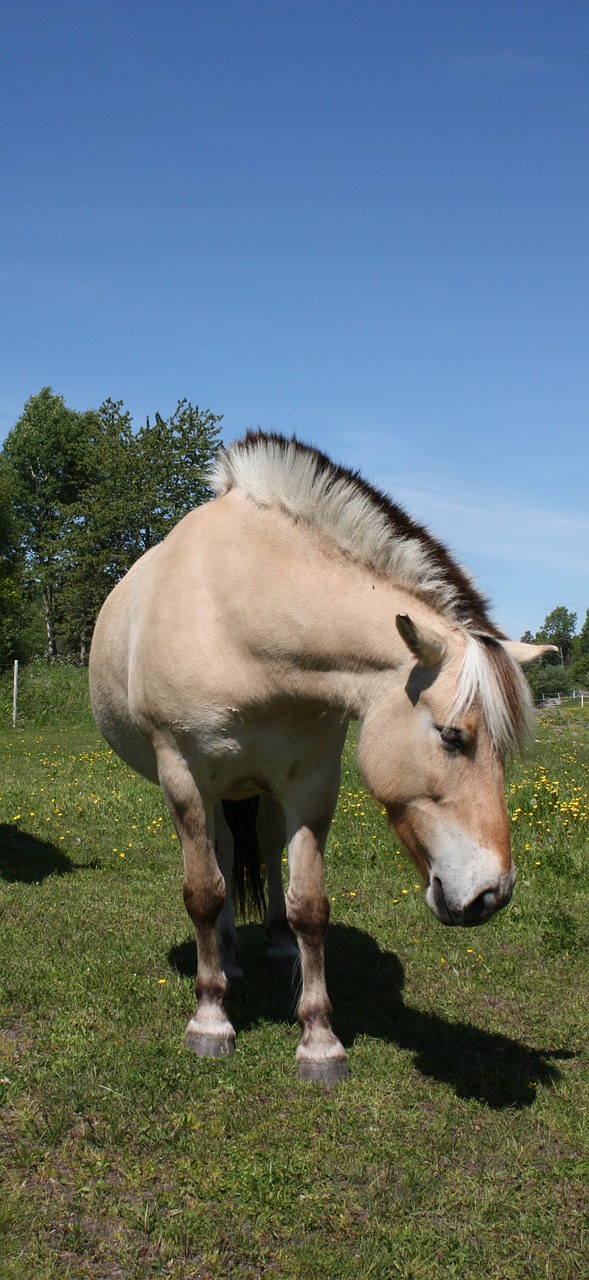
{"points": [[453, 739]]}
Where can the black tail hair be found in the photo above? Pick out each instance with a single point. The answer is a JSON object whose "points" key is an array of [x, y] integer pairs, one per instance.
{"points": [[248, 869]]}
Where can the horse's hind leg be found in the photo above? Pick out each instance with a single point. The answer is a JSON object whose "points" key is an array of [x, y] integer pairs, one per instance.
{"points": [[227, 933], [209, 1032], [281, 953]]}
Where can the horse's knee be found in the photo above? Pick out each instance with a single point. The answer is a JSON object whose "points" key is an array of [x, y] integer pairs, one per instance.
{"points": [[204, 899], [308, 913]]}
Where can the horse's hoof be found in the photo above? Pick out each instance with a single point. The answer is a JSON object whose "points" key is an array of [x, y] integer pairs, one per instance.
{"points": [[207, 1046], [330, 1072]]}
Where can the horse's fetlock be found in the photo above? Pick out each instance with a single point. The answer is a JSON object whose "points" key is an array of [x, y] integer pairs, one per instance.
{"points": [[211, 991], [313, 1018]]}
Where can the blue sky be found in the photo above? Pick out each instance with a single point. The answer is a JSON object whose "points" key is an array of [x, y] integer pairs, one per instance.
{"points": [[363, 222]]}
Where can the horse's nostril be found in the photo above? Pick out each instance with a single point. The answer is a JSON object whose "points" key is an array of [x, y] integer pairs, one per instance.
{"points": [[481, 907]]}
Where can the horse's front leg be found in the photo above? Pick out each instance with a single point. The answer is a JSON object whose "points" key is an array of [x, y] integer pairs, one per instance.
{"points": [[209, 1033], [320, 1055]]}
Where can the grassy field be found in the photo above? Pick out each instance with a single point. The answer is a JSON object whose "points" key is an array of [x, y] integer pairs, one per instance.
{"points": [[459, 1146]]}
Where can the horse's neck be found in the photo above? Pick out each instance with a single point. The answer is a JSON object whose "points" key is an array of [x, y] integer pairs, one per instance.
{"points": [[335, 629], [314, 619]]}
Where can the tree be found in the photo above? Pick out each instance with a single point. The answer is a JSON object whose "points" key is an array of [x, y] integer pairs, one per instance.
{"points": [[581, 641], [139, 486], [46, 455], [88, 496], [559, 628], [9, 587], [21, 633], [173, 458]]}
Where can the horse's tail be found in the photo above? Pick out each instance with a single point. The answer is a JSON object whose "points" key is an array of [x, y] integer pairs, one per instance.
{"points": [[248, 867]]}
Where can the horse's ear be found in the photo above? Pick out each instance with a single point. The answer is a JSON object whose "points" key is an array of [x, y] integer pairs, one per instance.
{"points": [[429, 648], [524, 653]]}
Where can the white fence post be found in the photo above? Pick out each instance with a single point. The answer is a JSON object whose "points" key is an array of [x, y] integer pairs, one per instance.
{"points": [[14, 693]]}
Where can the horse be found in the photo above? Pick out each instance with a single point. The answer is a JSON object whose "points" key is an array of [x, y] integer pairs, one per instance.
{"points": [[226, 667]]}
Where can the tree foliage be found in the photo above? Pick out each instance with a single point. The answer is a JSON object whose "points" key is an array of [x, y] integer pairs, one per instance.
{"points": [[581, 641], [569, 668], [21, 630], [548, 679], [87, 495], [558, 628], [45, 456], [9, 576]]}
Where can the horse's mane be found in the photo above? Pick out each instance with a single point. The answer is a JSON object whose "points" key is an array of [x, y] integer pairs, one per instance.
{"points": [[369, 527]]}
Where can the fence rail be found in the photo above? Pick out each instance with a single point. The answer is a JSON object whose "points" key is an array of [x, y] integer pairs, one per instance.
{"points": [[577, 698]]}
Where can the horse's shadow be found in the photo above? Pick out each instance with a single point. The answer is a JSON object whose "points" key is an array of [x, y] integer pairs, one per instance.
{"points": [[365, 985], [27, 860]]}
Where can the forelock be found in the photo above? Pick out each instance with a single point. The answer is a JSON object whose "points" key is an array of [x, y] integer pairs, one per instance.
{"points": [[490, 678]]}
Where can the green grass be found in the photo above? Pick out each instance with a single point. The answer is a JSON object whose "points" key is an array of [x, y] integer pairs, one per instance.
{"points": [[48, 694], [458, 1148]]}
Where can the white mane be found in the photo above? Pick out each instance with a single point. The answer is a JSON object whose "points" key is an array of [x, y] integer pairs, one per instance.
{"points": [[280, 473]]}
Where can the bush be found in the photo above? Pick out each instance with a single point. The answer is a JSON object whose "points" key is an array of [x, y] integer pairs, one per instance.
{"points": [[579, 673], [548, 681]]}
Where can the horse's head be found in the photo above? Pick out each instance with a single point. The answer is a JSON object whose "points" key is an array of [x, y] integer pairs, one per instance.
{"points": [[433, 753]]}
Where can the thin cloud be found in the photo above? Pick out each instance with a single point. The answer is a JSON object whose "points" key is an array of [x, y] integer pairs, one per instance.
{"points": [[500, 64], [504, 529]]}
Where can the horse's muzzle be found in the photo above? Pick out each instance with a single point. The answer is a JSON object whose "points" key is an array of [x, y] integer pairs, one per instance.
{"points": [[472, 913]]}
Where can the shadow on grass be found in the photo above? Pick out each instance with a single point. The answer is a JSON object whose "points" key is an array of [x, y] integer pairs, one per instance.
{"points": [[365, 985], [28, 860]]}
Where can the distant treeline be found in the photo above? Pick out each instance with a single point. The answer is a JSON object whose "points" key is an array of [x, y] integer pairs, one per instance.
{"points": [[567, 669]]}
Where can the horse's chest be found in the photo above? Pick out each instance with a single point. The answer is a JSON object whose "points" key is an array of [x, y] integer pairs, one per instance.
{"points": [[245, 759]]}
